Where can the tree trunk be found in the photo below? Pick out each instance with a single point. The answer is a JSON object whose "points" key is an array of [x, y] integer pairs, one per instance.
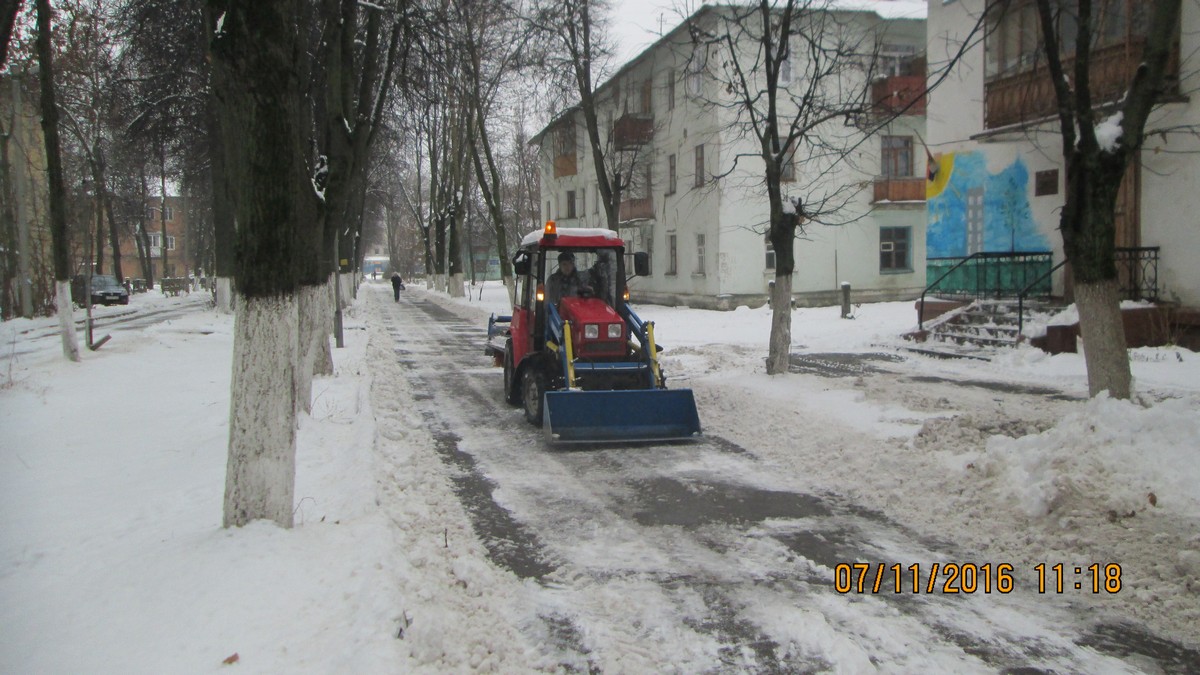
{"points": [[323, 364], [260, 475], [781, 325], [98, 208], [162, 213], [223, 209], [56, 188], [260, 109], [1103, 332], [311, 307], [143, 234]]}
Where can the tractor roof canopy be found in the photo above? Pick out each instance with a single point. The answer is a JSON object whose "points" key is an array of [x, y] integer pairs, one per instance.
{"points": [[572, 237]]}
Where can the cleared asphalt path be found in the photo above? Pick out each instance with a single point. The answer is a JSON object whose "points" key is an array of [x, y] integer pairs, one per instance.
{"points": [[695, 557]]}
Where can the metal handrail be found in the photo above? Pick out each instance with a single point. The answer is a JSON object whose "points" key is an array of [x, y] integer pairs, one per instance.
{"points": [[921, 308], [978, 255], [1025, 291]]}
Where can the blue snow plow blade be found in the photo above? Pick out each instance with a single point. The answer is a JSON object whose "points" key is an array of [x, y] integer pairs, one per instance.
{"points": [[578, 416]]}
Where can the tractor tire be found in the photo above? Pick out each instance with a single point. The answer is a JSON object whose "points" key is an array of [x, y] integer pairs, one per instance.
{"points": [[512, 395], [533, 395]]}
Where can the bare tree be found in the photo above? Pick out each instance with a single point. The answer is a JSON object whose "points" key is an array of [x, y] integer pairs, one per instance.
{"points": [[493, 40], [792, 76], [57, 186], [1097, 153], [577, 27]]}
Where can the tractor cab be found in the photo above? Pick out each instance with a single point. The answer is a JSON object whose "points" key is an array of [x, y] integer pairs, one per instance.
{"points": [[575, 355]]}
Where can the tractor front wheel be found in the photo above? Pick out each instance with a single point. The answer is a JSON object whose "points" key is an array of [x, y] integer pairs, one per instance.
{"points": [[512, 395], [533, 395]]}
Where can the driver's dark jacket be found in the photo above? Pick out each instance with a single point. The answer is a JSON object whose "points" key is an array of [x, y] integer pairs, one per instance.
{"points": [[559, 285]]}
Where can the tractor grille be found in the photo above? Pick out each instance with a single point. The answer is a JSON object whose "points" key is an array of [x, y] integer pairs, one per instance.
{"points": [[601, 349]]}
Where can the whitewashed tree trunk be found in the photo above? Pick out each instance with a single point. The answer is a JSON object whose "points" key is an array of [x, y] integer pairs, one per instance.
{"points": [[311, 305], [225, 295], [66, 322], [260, 480], [781, 326], [1103, 333], [324, 360], [457, 284], [347, 288], [510, 286]]}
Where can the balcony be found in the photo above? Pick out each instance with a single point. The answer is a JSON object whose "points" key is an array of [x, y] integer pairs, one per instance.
{"points": [[899, 94], [565, 165], [899, 190], [638, 208], [631, 131], [1028, 96]]}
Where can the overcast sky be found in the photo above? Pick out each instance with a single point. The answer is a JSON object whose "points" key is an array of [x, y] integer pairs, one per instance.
{"points": [[636, 23]]}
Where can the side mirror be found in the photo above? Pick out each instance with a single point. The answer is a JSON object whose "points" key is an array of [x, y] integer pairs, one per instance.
{"points": [[641, 264], [521, 264]]}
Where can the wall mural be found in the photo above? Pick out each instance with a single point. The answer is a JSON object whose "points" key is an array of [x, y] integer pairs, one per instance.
{"points": [[972, 210]]}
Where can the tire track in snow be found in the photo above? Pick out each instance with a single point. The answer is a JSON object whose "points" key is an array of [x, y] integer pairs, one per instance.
{"points": [[710, 583]]}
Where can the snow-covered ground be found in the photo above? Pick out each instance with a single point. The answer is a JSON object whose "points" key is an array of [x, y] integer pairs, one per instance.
{"points": [[112, 558]]}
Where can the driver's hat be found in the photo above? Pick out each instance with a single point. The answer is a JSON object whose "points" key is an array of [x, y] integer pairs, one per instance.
{"points": [[566, 256]]}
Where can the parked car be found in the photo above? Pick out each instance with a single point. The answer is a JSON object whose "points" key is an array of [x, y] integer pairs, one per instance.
{"points": [[106, 290]]}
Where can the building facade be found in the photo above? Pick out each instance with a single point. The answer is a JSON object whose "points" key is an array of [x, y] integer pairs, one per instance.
{"points": [[179, 259], [697, 200], [1000, 173]]}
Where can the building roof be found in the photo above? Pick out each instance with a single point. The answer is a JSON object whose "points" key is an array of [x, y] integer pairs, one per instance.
{"points": [[887, 10]]}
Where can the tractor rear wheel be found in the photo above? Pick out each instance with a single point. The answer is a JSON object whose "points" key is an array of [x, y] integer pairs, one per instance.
{"points": [[512, 395], [533, 386]]}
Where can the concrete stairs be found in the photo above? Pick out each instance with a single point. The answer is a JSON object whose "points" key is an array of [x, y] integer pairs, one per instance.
{"points": [[985, 324]]}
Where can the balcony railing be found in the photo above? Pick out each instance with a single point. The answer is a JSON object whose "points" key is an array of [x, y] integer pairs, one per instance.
{"points": [[632, 131], [637, 208], [1137, 268], [898, 93], [899, 190], [1027, 96]]}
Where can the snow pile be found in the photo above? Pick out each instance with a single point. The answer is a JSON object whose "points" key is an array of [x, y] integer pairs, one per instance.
{"points": [[1108, 456], [1109, 131]]}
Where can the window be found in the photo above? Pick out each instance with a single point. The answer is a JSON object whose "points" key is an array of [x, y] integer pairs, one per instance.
{"points": [[770, 262], [672, 254], [785, 72], [156, 241], [547, 215], [897, 154], [168, 214], [647, 101], [583, 202], [571, 204], [787, 171], [699, 165], [671, 184], [695, 76], [671, 89], [596, 199], [893, 249], [700, 254]]}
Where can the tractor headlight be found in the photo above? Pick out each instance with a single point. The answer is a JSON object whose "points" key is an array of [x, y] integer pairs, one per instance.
{"points": [[591, 331], [615, 330]]}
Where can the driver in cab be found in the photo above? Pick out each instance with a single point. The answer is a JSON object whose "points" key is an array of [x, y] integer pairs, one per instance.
{"points": [[566, 282]]}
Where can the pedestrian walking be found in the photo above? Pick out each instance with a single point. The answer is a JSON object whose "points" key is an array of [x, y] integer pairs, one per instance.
{"points": [[397, 285]]}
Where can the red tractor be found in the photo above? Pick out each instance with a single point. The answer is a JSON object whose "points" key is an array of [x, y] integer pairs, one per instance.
{"points": [[575, 355]]}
